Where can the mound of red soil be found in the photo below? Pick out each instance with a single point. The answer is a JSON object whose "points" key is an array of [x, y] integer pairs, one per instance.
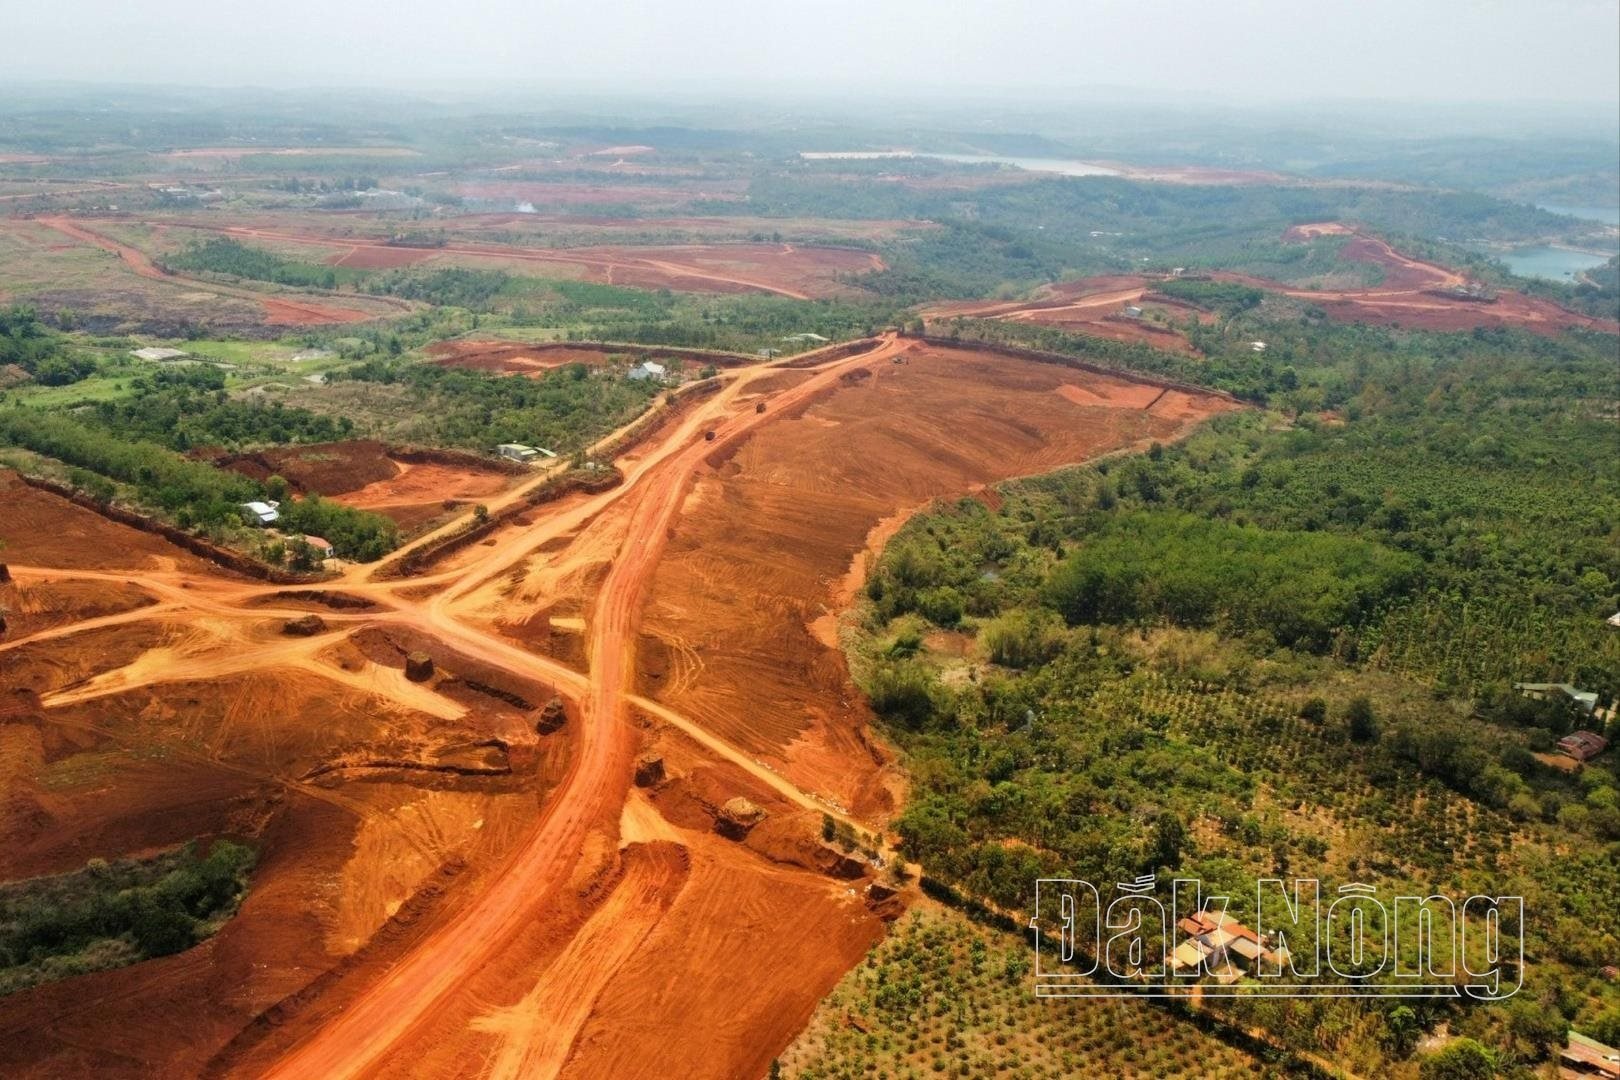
{"points": [[324, 468]]}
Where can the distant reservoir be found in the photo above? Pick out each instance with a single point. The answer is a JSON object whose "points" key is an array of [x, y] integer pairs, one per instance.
{"points": [[1062, 166], [1553, 263]]}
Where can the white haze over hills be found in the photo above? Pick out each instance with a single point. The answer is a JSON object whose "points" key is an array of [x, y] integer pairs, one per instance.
{"points": [[1253, 51]]}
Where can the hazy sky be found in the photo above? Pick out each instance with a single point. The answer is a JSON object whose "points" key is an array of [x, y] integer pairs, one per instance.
{"points": [[1259, 50]]}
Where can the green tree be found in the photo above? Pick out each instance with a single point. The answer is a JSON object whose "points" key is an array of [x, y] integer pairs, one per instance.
{"points": [[1464, 1059], [1169, 837], [1362, 723]]}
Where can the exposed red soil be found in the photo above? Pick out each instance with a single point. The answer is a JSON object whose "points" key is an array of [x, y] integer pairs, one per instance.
{"points": [[47, 604], [1420, 295], [1094, 306], [522, 358], [41, 529], [304, 313], [512, 358], [545, 917], [277, 311], [323, 468], [1413, 294], [771, 529], [785, 269], [420, 493], [366, 474]]}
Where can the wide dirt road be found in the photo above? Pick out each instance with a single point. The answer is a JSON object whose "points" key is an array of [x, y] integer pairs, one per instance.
{"points": [[595, 785], [877, 430]]}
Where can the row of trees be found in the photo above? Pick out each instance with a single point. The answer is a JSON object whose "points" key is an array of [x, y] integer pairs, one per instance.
{"points": [[194, 494]]}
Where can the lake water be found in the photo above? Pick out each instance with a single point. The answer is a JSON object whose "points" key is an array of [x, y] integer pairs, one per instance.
{"points": [[1062, 166], [1556, 263]]}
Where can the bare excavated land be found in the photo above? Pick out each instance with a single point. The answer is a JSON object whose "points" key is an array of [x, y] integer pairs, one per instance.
{"points": [[1414, 294], [417, 488], [453, 879], [796, 271], [1094, 306]]}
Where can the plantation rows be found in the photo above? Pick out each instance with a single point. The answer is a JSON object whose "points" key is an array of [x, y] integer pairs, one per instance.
{"points": [[943, 997]]}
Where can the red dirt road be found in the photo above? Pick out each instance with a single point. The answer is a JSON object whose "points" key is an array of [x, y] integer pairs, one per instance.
{"points": [[1094, 306], [1414, 294], [594, 787], [801, 273], [278, 311], [420, 1012], [1419, 295]]}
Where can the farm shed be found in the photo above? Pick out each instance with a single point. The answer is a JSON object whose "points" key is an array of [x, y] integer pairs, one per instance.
{"points": [[517, 452], [260, 513]]}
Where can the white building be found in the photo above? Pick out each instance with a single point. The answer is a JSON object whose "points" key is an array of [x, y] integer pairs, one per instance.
{"points": [[517, 452], [261, 513], [647, 370]]}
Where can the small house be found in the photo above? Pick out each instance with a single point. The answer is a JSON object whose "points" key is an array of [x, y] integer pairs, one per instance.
{"points": [[1132, 311], [648, 369], [512, 451], [1585, 1056], [1189, 954], [1582, 745], [260, 514], [1257, 346], [1229, 945], [1585, 700], [1614, 620], [322, 547]]}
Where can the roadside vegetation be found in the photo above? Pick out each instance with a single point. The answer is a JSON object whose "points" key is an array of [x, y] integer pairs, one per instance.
{"points": [[1288, 645], [564, 409], [111, 914]]}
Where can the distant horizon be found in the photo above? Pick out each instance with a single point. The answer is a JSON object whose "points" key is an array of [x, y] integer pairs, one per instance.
{"points": [[1475, 53], [715, 91], [964, 110]]}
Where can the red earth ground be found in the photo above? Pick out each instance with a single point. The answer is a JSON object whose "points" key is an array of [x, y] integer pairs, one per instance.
{"points": [[789, 270], [1418, 295], [369, 475], [1413, 294], [278, 311], [1094, 306], [546, 917]]}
